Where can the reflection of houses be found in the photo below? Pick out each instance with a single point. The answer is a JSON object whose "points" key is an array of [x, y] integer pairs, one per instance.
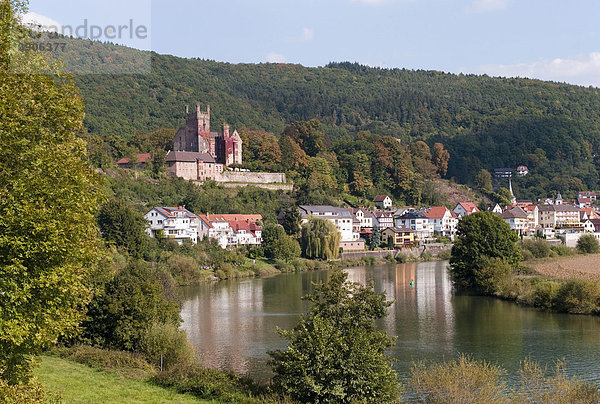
{"points": [[175, 223], [399, 236]]}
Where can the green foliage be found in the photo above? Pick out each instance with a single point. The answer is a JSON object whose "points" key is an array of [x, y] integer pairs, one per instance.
{"points": [[320, 239], [48, 197], [24, 394], [123, 226], [119, 315], [170, 342], [292, 220], [539, 248], [483, 253], [562, 250], [335, 354], [588, 244], [483, 181], [578, 296]]}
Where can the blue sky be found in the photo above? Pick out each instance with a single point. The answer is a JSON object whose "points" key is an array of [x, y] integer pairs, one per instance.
{"points": [[549, 39]]}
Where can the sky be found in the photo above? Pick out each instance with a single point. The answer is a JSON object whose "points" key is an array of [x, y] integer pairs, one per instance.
{"points": [[556, 40]]}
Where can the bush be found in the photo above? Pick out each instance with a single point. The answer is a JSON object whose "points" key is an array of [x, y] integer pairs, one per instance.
{"points": [[578, 296], [459, 381], [401, 258], [491, 274], [544, 294], [130, 363], [444, 255], [168, 341], [210, 384], [527, 255], [562, 250], [24, 393], [538, 248], [185, 269], [588, 244]]}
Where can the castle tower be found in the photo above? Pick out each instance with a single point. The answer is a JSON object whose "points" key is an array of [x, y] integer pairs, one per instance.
{"points": [[195, 136]]}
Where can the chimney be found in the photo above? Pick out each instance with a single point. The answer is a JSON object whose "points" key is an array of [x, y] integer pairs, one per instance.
{"points": [[187, 109]]}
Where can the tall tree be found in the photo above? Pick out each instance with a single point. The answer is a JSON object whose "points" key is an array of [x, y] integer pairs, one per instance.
{"points": [[48, 196], [484, 251], [335, 354], [320, 239], [123, 226], [440, 158]]}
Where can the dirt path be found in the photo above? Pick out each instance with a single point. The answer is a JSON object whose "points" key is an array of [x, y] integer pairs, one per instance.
{"points": [[577, 266]]}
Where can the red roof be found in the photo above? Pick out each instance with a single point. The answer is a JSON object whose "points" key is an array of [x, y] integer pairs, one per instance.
{"points": [[141, 158], [469, 207], [437, 212], [380, 198]]}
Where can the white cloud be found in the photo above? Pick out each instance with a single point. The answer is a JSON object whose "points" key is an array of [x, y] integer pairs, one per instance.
{"points": [[36, 20], [482, 6], [582, 70], [307, 34], [275, 58]]}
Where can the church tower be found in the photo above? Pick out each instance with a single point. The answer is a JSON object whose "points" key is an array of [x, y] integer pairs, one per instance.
{"points": [[195, 136]]}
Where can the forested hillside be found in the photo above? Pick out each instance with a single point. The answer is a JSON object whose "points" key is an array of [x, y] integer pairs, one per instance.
{"points": [[483, 122]]}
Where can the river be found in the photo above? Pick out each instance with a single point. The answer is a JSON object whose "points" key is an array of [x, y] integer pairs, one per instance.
{"points": [[232, 323]]}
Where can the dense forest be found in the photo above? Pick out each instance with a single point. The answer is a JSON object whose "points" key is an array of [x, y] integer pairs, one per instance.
{"points": [[483, 122]]}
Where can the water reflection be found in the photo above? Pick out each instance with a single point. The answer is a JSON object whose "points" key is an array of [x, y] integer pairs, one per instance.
{"points": [[233, 323]]}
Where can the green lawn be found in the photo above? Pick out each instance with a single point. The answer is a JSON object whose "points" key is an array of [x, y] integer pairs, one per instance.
{"points": [[81, 384]]}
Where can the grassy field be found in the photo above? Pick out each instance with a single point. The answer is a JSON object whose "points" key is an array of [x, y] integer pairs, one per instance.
{"points": [[576, 266], [81, 384]]}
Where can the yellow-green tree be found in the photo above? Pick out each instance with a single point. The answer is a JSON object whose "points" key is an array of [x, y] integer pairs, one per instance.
{"points": [[320, 239], [48, 197]]}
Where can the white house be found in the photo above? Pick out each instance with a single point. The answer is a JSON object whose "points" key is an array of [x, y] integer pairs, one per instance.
{"points": [[364, 217], [342, 219], [383, 219], [516, 219], [383, 202], [417, 222], [176, 223], [465, 209], [233, 229], [444, 221]]}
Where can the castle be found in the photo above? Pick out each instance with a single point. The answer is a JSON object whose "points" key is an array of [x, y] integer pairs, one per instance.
{"points": [[199, 155], [196, 137]]}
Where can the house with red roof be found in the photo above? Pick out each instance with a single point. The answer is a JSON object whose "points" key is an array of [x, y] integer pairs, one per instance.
{"points": [[465, 209], [233, 229], [444, 220], [140, 160]]}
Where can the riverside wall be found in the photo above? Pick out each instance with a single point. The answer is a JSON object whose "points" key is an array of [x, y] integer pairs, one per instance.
{"points": [[432, 249]]}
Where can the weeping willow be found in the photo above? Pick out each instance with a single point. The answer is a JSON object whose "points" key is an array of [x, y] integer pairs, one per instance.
{"points": [[320, 239]]}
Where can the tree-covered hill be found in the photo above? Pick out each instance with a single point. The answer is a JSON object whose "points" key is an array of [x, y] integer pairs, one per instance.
{"points": [[484, 122]]}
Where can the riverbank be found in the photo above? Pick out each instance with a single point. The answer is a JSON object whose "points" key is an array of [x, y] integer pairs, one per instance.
{"points": [[569, 284]]}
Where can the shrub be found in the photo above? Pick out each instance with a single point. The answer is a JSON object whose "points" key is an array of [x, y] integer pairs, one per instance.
{"points": [[184, 269], [538, 248], [537, 387], [168, 341], [24, 393], [527, 255], [544, 294], [578, 296], [210, 384], [444, 255], [459, 381], [130, 363], [401, 258], [563, 250], [490, 274], [588, 244]]}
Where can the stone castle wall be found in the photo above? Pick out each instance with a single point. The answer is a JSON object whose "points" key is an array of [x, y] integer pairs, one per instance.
{"points": [[250, 177]]}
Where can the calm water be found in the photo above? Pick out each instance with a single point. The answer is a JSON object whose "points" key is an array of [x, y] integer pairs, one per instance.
{"points": [[232, 324]]}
